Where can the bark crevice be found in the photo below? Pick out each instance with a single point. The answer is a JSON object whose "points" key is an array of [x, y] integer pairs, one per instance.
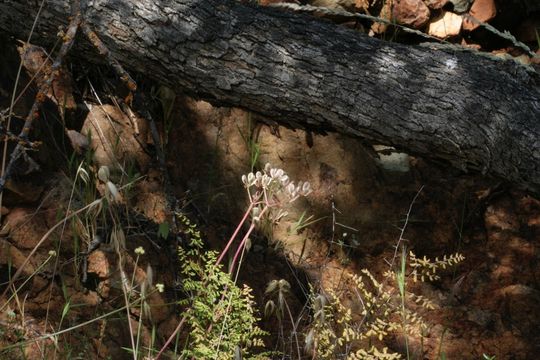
{"points": [[436, 101]]}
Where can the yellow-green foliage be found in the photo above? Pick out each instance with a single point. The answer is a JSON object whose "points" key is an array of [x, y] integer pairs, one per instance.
{"points": [[427, 269], [337, 333], [221, 317]]}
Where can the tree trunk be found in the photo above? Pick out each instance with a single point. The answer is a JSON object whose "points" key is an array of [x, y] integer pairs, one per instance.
{"points": [[476, 112]]}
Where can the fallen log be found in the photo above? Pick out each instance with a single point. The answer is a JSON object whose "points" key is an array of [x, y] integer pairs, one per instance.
{"points": [[474, 111]]}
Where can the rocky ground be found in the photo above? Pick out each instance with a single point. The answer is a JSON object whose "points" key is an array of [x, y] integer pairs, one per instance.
{"points": [[364, 201]]}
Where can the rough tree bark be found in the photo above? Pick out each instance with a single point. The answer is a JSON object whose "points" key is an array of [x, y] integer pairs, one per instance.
{"points": [[474, 111]]}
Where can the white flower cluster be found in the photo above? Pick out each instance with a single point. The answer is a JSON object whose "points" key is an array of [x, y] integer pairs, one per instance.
{"points": [[273, 189], [276, 180]]}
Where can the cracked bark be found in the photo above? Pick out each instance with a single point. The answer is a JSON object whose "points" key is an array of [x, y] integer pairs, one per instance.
{"points": [[475, 112]]}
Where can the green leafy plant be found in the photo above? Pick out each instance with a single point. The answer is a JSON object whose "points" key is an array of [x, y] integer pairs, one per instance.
{"points": [[303, 222], [163, 230], [252, 145], [220, 316]]}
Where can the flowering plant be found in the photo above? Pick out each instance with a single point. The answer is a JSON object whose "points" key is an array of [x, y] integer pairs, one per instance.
{"points": [[269, 191]]}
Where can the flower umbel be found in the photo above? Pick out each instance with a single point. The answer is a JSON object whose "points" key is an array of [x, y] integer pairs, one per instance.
{"points": [[269, 191], [275, 185]]}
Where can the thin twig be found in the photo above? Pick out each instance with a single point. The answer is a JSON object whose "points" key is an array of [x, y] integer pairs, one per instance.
{"points": [[13, 100], [402, 230], [103, 51], [69, 39]]}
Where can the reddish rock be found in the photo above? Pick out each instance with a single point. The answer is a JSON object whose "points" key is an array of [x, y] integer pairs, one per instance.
{"points": [[501, 216], [332, 4], [413, 13], [481, 10], [39, 65], [26, 228], [9, 254], [520, 301], [115, 138], [99, 264], [385, 13], [90, 299], [158, 309], [362, 5], [530, 206]]}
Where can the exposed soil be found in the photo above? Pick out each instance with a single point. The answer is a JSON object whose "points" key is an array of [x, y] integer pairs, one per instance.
{"points": [[362, 202]]}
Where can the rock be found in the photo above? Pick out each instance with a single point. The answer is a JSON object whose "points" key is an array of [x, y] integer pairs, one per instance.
{"points": [[169, 325], [481, 10], [90, 298], [413, 13], [479, 317], [24, 191], [115, 139], [461, 6], [385, 13], [446, 25], [531, 207], [392, 160], [501, 216], [158, 308], [362, 5], [470, 45], [519, 302], [9, 254], [26, 228], [99, 264], [536, 59], [332, 4], [78, 141], [435, 4], [151, 201], [101, 348], [523, 59], [38, 64]]}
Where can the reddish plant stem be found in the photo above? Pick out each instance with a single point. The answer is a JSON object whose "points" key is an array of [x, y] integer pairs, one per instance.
{"points": [[244, 240], [241, 246], [229, 243], [169, 340]]}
